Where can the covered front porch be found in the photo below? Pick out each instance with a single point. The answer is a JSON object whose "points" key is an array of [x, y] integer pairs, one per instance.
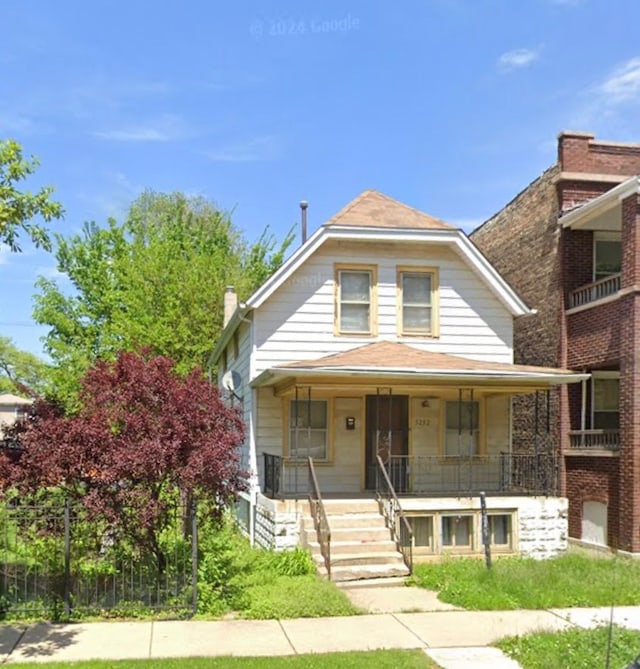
{"points": [[438, 425]]}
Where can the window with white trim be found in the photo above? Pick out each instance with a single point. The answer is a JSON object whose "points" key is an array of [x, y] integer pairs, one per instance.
{"points": [[355, 305], [462, 428], [416, 290], [308, 429]]}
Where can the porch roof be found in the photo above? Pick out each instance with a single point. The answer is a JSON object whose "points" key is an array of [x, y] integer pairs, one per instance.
{"points": [[405, 364]]}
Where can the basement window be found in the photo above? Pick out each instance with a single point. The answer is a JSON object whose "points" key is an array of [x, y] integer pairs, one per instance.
{"points": [[500, 531], [457, 532], [422, 528]]}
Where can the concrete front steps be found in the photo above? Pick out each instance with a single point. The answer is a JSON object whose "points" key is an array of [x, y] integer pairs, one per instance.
{"points": [[361, 545]]}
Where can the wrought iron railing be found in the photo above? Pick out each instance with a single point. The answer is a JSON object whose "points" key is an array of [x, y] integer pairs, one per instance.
{"points": [[464, 475], [319, 515], [284, 477], [594, 291], [396, 520], [606, 440]]}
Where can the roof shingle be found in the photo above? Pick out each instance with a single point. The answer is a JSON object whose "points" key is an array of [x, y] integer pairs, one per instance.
{"points": [[372, 209], [392, 355]]}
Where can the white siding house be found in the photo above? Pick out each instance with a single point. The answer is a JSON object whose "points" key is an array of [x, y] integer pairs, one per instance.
{"points": [[385, 341]]}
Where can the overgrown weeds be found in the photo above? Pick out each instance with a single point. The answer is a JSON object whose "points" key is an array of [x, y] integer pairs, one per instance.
{"points": [[523, 583], [260, 584], [573, 648]]}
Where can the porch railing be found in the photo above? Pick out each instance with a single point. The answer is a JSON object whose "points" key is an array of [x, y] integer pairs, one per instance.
{"points": [[502, 473], [319, 515], [284, 477], [522, 474], [606, 440], [594, 291], [396, 520]]}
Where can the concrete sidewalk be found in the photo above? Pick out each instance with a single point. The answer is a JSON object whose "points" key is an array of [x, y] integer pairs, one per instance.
{"points": [[454, 638]]}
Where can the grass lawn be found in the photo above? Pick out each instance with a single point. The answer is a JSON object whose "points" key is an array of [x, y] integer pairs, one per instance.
{"points": [[573, 649], [380, 659], [520, 583]]}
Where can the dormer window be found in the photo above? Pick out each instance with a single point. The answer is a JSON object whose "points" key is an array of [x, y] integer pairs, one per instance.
{"points": [[355, 299]]}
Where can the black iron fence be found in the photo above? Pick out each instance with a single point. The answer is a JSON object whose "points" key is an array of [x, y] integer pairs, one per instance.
{"points": [[55, 562]]}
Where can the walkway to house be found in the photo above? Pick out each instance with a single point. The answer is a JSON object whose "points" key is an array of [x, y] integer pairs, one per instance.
{"points": [[401, 618]]}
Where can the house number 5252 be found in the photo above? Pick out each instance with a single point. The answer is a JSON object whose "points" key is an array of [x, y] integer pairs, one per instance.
{"points": [[423, 422]]}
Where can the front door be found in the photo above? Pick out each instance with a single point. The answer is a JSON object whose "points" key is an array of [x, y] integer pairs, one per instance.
{"points": [[387, 433]]}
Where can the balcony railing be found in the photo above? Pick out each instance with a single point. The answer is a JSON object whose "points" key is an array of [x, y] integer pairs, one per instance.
{"points": [[610, 285], [594, 440]]}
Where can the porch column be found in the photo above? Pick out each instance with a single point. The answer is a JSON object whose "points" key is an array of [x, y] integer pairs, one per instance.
{"points": [[629, 310]]}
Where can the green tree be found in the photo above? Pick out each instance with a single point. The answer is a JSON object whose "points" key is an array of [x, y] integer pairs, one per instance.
{"points": [[21, 372], [156, 282], [18, 208]]}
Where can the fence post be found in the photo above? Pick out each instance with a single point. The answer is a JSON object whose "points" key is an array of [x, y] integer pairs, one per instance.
{"points": [[67, 559], [486, 540], [194, 554]]}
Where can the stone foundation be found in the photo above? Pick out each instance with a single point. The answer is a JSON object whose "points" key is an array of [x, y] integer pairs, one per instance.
{"points": [[539, 524], [277, 523]]}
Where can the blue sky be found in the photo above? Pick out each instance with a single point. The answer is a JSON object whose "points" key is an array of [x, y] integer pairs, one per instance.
{"points": [[452, 106]]}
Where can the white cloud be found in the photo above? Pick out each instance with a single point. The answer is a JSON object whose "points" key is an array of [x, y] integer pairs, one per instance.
{"points": [[610, 105], [517, 58], [622, 85], [167, 128], [257, 149]]}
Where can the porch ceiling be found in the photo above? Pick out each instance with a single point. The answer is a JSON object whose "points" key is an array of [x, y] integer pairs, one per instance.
{"points": [[400, 364]]}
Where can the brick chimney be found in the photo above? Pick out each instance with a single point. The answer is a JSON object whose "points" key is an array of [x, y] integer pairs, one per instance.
{"points": [[230, 304]]}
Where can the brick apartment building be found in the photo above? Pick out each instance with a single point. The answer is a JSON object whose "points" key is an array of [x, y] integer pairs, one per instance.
{"points": [[569, 243]]}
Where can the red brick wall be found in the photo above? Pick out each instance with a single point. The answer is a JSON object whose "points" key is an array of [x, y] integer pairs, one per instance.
{"points": [[544, 262], [593, 337], [582, 153], [629, 325], [577, 259], [593, 479], [573, 193]]}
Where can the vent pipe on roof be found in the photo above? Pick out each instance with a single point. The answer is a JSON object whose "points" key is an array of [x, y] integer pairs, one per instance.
{"points": [[303, 219]]}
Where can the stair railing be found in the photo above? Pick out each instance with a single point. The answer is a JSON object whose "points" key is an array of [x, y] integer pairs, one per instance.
{"points": [[397, 522], [319, 515]]}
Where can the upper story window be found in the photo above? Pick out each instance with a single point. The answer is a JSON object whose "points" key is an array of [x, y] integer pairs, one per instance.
{"points": [[355, 299], [607, 254], [417, 301], [605, 400]]}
